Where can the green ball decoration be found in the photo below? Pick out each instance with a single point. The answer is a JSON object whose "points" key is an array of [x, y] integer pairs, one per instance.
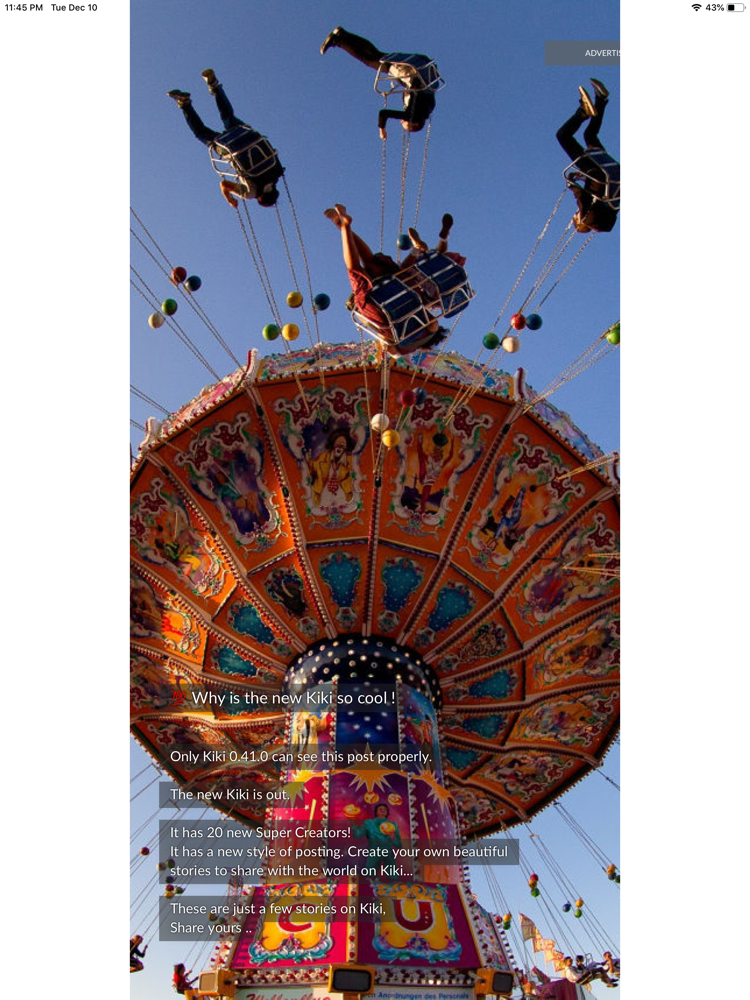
{"points": [[617, 879], [578, 912], [169, 307], [613, 335], [535, 892], [491, 341], [271, 331]]}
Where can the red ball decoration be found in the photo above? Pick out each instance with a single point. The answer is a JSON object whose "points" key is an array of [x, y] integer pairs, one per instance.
{"points": [[178, 275], [407, 397], [518, 321], [145, 851]]}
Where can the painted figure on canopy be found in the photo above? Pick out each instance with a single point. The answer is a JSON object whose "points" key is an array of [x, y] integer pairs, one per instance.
{"points": [[407, 68], [383, 835], [331, 471], [252, 181], [597, 207]]}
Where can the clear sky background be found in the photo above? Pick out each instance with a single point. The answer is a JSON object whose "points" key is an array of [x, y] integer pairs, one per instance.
{"points": [[64, 207], [493, 162]]}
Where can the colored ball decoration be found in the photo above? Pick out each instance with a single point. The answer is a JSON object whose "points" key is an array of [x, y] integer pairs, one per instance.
{"points": [[322, 301], [271, 331], [212, 916], [391, 439], [169, 307], [440, 439], [535, 892], [161, 866], [533, 877], [155, 320], [421, 395], [403, 242], [518, 321], [193, 283], [294, 300], [145, 851], [578, 912], [379, 423], [169, 879], [290, 331], [511, 344], [407, 397], [178, 275], [179, 890], [613, 335], [533, 321], [506, 925], [579, 903], [491, 341], [566, 907], [506, 918], [617, 879], [171, 862]]}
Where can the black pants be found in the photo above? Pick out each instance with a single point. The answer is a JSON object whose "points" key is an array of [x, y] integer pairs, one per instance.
{"points": [[358, 47], [566, 133]]}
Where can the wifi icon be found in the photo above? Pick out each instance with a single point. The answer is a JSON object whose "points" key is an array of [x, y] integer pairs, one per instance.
{"points": [[696, 6]]}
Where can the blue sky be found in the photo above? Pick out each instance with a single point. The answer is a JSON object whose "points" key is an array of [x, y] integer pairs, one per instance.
{"points": [[493, 162]]}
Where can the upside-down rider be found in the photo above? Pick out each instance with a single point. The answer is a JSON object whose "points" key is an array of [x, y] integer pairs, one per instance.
{"points": [[364, 266], [261, 187], [594, 211], [419, 100]]}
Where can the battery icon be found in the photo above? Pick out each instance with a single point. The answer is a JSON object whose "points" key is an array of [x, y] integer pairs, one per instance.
{"points": [[735, 6]]}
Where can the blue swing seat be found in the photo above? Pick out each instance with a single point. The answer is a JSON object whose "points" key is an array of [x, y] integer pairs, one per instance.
{"points": [[450, 280], [404, 314], [243, 152]]}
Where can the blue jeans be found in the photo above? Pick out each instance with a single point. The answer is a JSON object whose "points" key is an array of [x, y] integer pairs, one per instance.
{"points": [[228, 118]]}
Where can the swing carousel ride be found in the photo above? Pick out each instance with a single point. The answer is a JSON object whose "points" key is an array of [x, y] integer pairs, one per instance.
{"points": [[375, 593]]}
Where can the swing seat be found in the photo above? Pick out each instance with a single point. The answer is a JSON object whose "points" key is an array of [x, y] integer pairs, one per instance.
{"points": [[242, 152], [596, 167], [409, 71], [404, 315], [450, 281]]}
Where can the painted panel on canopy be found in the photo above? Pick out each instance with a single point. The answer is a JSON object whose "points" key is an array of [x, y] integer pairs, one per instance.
{"points": [[572, 578], [340, 572], [284, 588], [485, 643], [478, 809], [480, 729], [461, 761], [251, 627], [209, 397], [523, 498], [224, 463], [585, 652], [326, 457], [226, 662], [159, 621], [186, 737], [528, 776], [503, 682], [337, 356], [152, 686], [428, 474], [171, 540], [579, 721], [435, 825], [400, 576], [447, 364], [450, 606]]}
